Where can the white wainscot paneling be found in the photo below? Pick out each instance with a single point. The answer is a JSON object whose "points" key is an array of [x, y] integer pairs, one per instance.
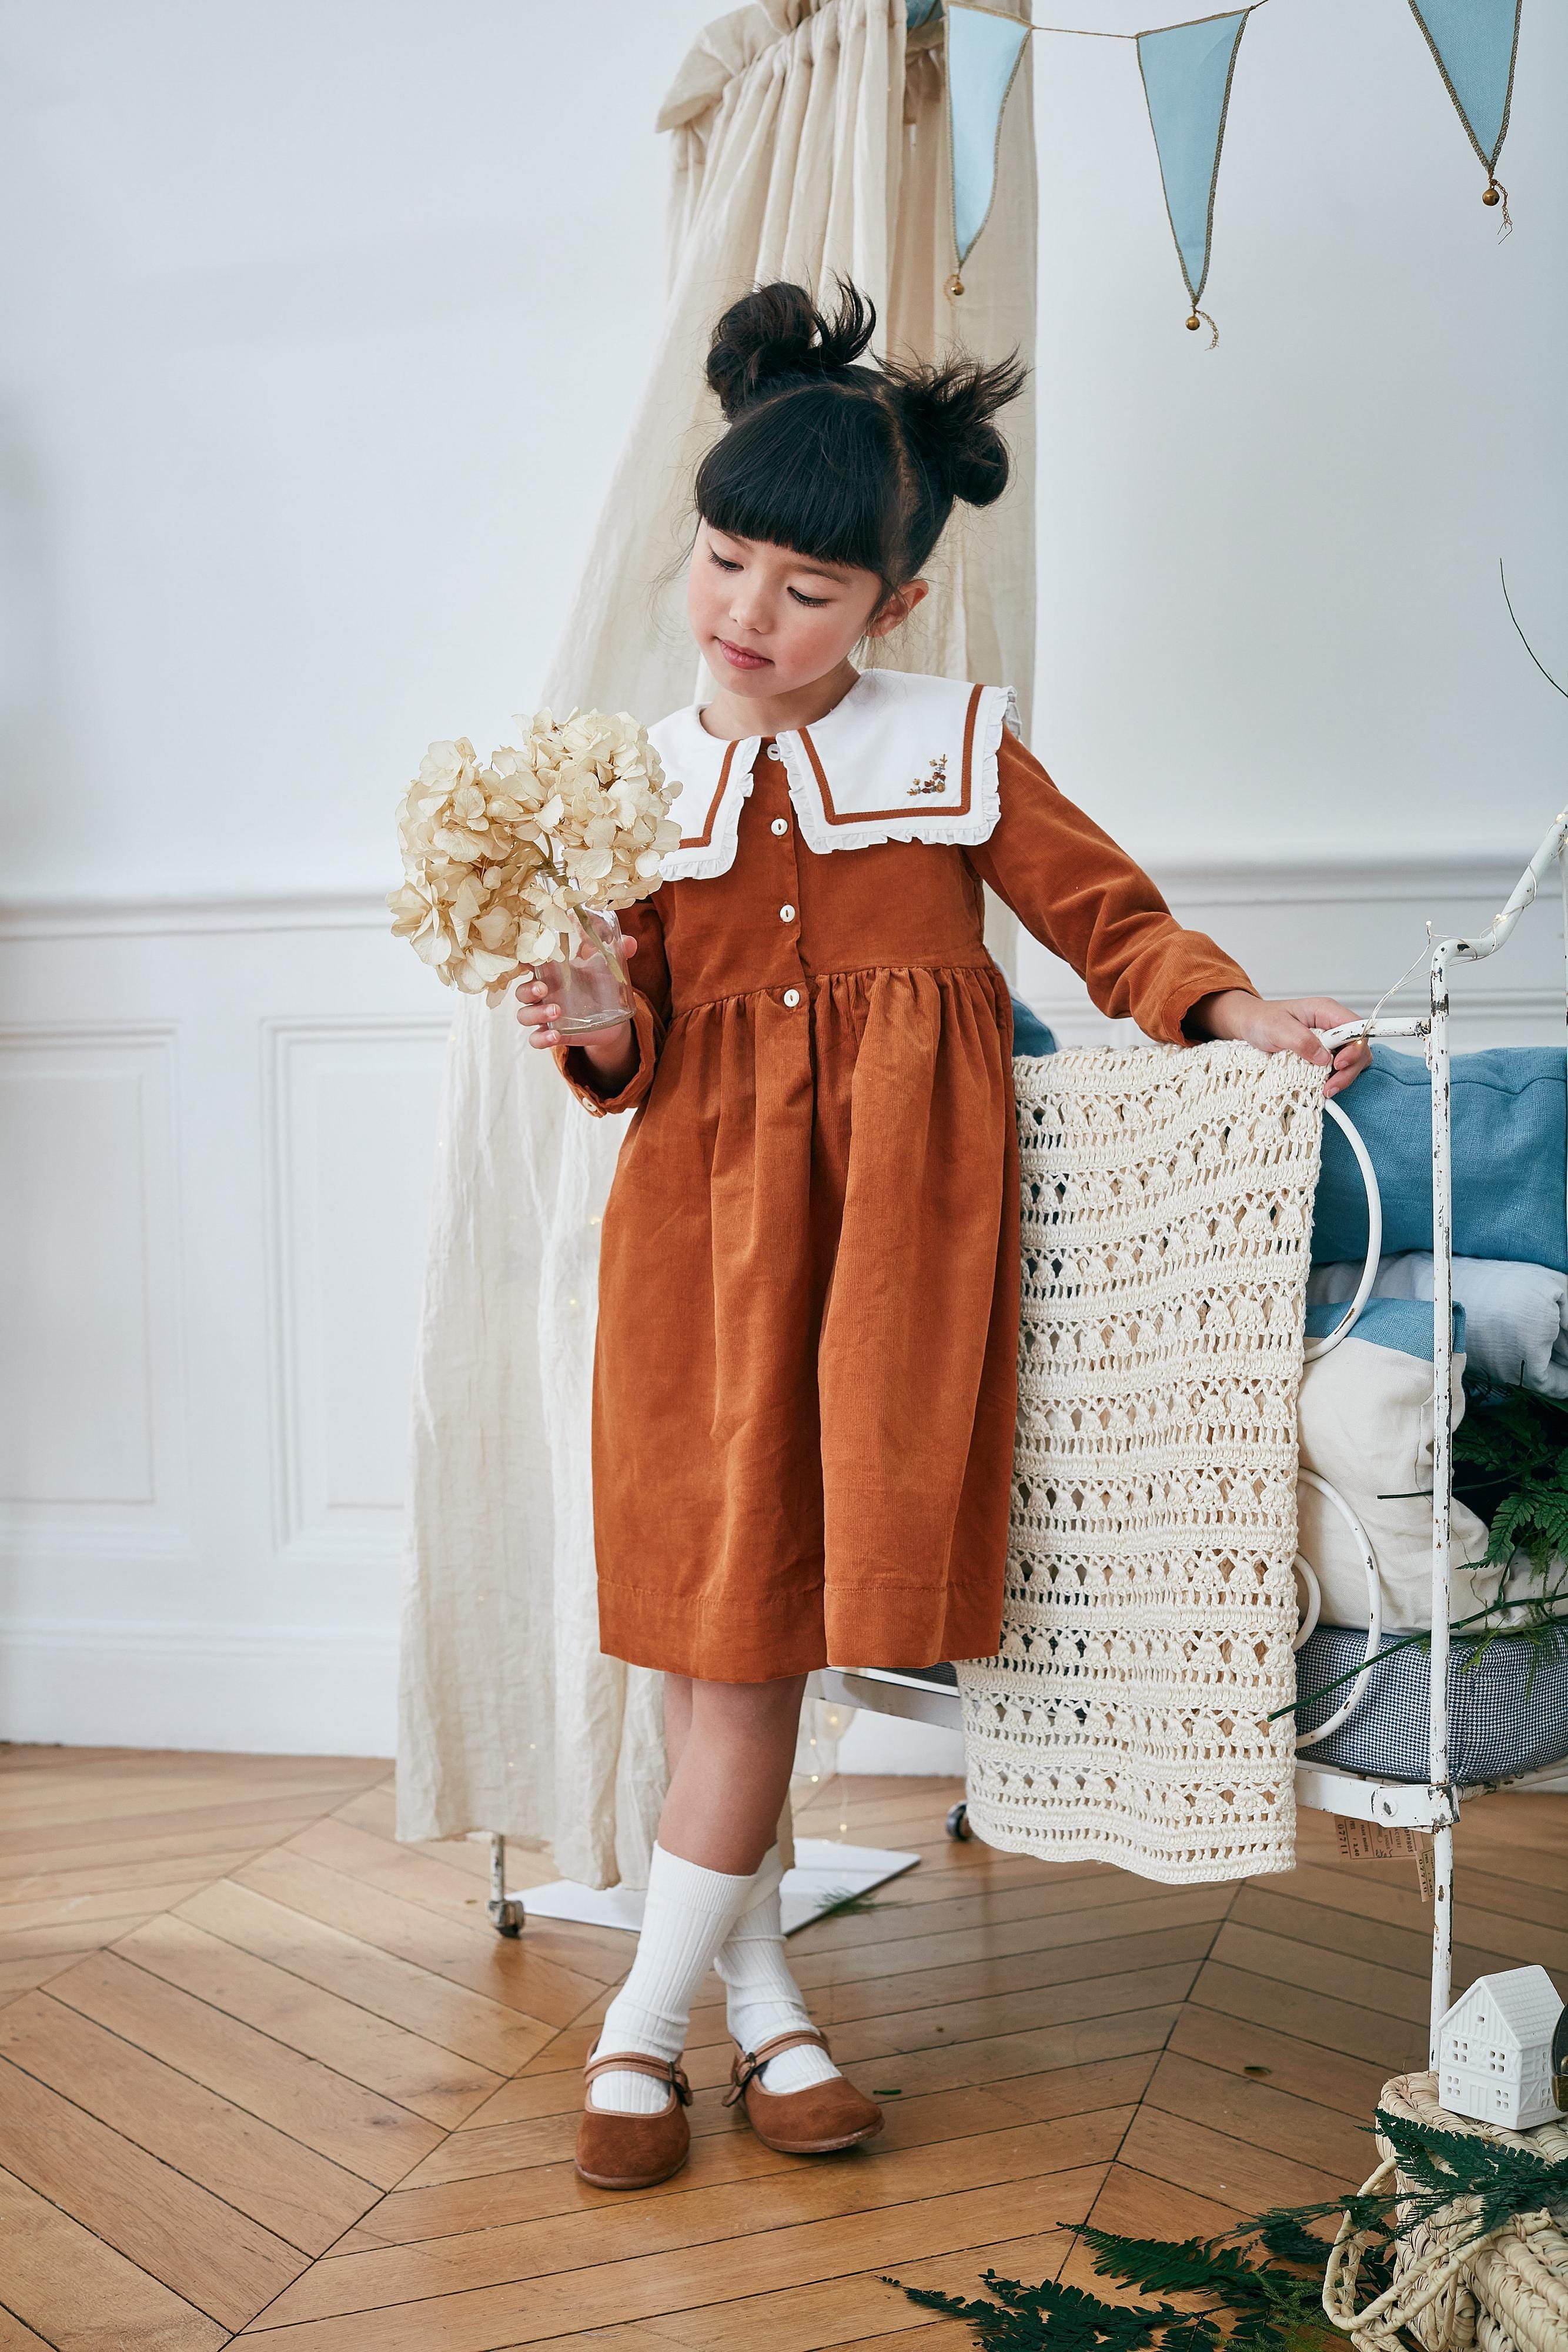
{"points": [[1351, 932], [350, 1117], [92, 1377], [261, 1688], [217, 1124]]}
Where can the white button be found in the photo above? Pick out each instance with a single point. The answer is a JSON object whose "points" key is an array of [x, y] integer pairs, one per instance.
{"points": [[781, 824], [774, 752], [786, 914], [791, 998]]}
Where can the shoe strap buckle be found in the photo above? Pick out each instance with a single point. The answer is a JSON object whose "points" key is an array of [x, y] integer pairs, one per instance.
{"points": [[751, 2066], [752, 2062], [631, 2062]]}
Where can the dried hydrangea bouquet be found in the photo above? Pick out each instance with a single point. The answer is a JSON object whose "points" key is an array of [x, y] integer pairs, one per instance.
{"points": [[525, 860]]}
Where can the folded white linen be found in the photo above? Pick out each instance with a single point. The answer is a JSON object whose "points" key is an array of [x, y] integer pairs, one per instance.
{"points": [[1516, 1316], [1365, 1424]]}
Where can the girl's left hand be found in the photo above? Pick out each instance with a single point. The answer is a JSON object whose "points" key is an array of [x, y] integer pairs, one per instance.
{"points": [[1285, 1029]]}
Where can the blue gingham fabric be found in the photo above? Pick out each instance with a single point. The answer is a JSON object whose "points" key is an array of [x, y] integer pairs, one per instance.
{"points": [[1502, 1717]]}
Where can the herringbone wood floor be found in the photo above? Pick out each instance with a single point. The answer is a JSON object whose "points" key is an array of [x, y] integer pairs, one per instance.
{"points": [[265, 2073]]}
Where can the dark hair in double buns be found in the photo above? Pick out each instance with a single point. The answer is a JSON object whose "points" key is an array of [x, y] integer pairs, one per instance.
{"points": [[844, 463]]}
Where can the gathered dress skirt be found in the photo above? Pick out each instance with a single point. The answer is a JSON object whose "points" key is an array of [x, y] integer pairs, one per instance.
{"points": [[805, 1383]]}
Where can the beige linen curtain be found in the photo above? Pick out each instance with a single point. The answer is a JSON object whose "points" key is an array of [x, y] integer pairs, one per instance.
{"points": [[810, 140]]}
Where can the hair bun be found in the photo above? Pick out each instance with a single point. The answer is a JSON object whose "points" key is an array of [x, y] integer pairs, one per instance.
{"points": [[947, 413], [777, 336]]}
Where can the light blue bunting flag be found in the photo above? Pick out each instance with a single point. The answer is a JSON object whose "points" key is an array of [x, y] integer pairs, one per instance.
{"points": [[1475, 43], [983, 53], [1187, 71]]}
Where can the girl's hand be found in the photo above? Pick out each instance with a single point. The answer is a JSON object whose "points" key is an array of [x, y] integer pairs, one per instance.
{"points": [[1285, 1029], [611, 1051]]}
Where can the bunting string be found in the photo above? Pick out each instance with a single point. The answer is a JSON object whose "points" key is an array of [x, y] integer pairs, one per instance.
{"points": [[1078, 32], [1187, 71]]}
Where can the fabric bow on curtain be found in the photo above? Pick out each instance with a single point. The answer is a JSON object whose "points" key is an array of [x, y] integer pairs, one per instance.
{"points": [[809, 141]]}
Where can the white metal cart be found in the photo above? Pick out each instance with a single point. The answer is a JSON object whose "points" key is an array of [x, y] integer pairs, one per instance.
{"points": [[1431, 1805], [930, 1694]]}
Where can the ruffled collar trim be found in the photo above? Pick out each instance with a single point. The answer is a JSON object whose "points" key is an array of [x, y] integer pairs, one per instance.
{"points": [[902, 758]]}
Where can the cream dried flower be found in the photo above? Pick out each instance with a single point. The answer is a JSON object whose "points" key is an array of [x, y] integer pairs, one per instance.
{"points": [[496, 859]]}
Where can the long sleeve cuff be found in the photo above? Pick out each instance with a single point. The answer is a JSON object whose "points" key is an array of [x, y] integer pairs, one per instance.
{"points": [[584, 1078], [1207, 978]]}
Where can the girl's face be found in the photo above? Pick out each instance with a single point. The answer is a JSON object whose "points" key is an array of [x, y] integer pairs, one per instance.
{"points": [[767, 620]]}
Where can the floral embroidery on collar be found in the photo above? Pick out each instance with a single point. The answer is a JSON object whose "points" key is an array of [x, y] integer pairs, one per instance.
{"points": [[898, 737]]}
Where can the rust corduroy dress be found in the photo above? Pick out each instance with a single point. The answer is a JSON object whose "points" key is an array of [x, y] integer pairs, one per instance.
{"points": [[805, 1386]]}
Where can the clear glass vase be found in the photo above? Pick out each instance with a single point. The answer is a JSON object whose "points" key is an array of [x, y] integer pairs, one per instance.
{"points": [[590, 985]]}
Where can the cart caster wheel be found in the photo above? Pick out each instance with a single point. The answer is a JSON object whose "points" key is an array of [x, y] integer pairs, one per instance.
{"points": [[507, 1918], [958, 1823]]}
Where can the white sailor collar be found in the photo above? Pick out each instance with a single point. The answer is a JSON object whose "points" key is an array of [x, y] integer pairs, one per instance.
{"points": [[901, 757]]}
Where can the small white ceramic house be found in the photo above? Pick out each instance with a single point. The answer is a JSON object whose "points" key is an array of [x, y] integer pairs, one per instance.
{"points": [[1495, 2050]]}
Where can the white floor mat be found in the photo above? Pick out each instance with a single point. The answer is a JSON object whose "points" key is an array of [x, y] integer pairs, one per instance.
{"points": [[824, 1872]]}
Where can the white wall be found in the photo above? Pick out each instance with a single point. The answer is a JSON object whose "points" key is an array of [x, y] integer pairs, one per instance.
{"points": [[324, 316], [1270, 623], [316, 345]]}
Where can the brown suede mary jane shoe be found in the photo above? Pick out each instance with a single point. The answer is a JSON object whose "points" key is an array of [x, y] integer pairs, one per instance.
{"points": [[813, 2122], [633, 2151]]}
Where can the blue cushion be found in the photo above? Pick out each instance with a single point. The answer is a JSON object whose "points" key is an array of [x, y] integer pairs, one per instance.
{"points": [[1511, 1151], [1405, 1324], [1031, 1034]]}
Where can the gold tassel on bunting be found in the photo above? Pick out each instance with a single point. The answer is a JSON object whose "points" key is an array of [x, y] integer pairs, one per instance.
{"points": [[1187, 72], [984, 46], [1475, 46]]}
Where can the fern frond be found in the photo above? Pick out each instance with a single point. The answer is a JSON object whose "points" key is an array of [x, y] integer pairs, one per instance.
{"points": [[1248, 2306], [1442, 2168], [1192, 2267], [1065, 2318], [1269, 2303], [1279, 2234]]}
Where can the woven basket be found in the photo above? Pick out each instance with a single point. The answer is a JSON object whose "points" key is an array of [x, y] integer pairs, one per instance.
{"points": [[1510, 2295]]}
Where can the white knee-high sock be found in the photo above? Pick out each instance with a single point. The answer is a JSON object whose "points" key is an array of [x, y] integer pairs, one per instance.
{"points": [[764, 1997], [689, 1912]]}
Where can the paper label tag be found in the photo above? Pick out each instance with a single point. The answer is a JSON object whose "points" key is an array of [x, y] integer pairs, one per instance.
{"points": [[1375, 1842]]}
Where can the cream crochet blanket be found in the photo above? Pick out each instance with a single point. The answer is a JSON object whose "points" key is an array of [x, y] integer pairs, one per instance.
{"points": [[1167, 1200]]}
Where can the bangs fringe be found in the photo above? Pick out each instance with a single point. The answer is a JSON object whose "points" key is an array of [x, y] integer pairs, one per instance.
{"points": [[817, 472]]}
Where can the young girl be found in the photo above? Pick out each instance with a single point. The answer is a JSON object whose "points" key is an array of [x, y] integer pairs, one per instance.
{"points": [[809, 1289]]}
